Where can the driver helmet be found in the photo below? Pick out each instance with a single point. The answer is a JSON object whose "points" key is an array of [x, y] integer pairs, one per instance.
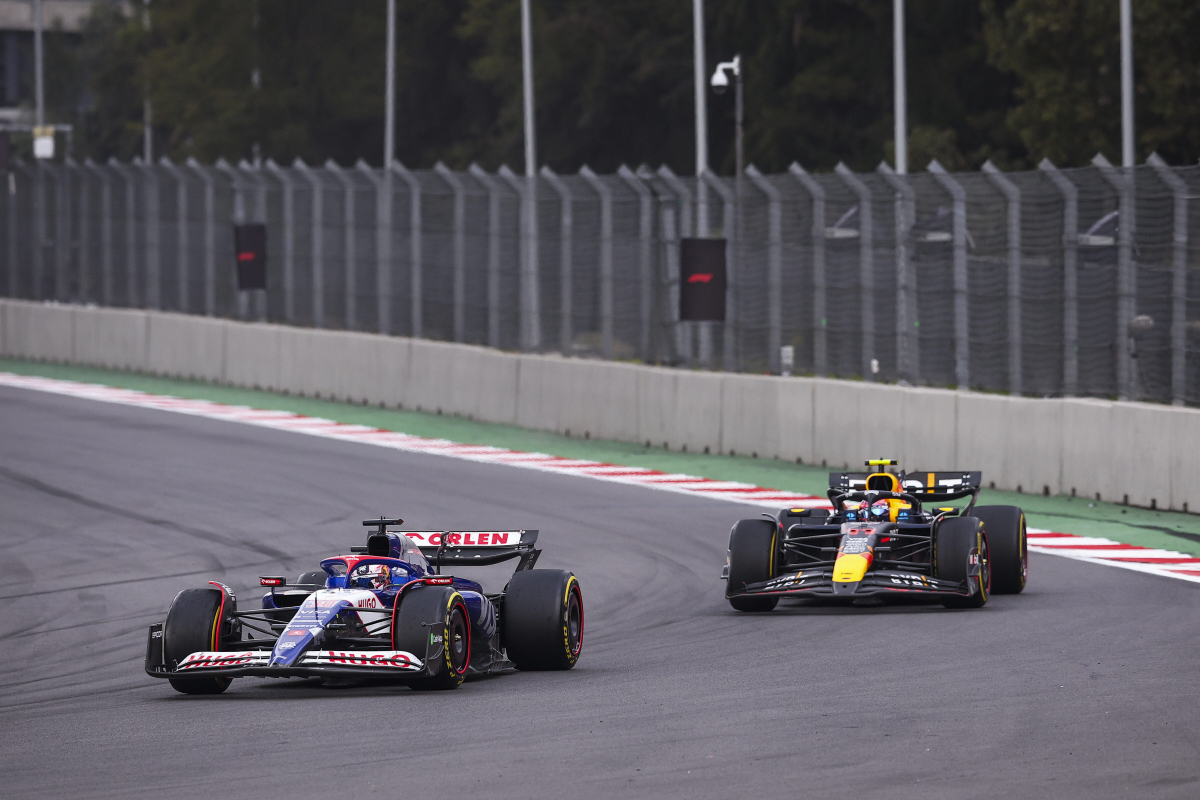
{"points": [[374, 576]]}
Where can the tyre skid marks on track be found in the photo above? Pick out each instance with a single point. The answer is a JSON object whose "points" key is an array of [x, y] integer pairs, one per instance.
{"points": [[1091, 549]]}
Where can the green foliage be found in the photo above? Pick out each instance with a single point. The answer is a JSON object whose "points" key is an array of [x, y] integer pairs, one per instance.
{"points": [[1009, 80], [1066, 57]]}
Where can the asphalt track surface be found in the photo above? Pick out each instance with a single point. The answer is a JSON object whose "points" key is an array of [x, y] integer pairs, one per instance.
{"points": [[1084, 686]]}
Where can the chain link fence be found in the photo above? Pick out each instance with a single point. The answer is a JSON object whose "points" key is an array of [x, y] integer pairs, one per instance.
{"points": [[1081, 282]]}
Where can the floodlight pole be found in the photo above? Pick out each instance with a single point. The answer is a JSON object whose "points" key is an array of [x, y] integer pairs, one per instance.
{"points": [[1127, 84], [901, 87], [698, 73], [527, 75], [147, 130], [37, 58], [389, 124], [530, 328]]}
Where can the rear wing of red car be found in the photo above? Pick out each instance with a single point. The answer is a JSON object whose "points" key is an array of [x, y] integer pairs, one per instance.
{"points": [[925, 485]]}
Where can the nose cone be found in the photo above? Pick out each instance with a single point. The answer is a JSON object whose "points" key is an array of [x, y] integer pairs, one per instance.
{"points": [[851, 567]]}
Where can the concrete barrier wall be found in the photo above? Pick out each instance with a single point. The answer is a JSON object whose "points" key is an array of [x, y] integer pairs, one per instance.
{"points": [[1147, 453]]}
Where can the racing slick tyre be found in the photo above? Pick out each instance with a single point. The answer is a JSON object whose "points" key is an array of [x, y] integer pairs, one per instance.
{"points": [[954, 540], [542, 620], [752, 545], [1007, 548], [426, 617], [192, 626], [315, 578]]}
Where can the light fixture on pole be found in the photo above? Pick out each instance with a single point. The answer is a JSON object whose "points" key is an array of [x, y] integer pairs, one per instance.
{"points": [[720, 82]]}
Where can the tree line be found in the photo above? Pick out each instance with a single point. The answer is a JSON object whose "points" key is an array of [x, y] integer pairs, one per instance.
{"points": [[1009, 80]]}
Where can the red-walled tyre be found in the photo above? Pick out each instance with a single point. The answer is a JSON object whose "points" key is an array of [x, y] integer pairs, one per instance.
{"points": [[193, 625], [433, 620]]}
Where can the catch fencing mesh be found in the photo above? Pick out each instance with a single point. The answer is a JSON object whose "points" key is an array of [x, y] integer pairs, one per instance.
{"points": [[1080, 282]]}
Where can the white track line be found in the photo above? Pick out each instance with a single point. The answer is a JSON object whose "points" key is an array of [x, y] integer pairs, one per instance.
{"points": [[1092, 549]]}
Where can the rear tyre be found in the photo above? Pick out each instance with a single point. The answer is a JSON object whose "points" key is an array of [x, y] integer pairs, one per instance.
{"points": [[955, 541], [1007, 547], [752, 545], [193, 625], [432, 623], [316, 577], [542, 620]]}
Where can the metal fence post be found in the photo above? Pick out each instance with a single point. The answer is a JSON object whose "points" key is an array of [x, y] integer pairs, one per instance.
{"points": [[606, 259], [131, 293], [84, 258], [774, 267], [493, 270], [566, 331], [1122, 181], [62, 235], [349, 249], [683, 330], [254, 173], [318, 241], [210, 237], [239, 218], [383, 244], [866, 264], [153, 249], [414, 243], [39, 229], [645, 254], [106, 234], [1012, 197], [1179, 192], [1070, 244], [289, 239], [907, 344], [12, 226], [958, 195], [530, 324], [460, 255], [817, 192], [181, 241], [731, 352]]}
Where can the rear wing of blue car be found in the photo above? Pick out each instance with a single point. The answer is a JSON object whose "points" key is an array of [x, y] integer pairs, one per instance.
{"points": [[456, 548]]}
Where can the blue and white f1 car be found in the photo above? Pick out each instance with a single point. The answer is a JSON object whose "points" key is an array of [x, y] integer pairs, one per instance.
{"points": [[386, 610]]}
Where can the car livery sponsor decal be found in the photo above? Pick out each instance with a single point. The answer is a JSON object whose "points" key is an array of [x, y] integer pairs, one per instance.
{"points": [[465, 538], [387, 659], [211, 660]]}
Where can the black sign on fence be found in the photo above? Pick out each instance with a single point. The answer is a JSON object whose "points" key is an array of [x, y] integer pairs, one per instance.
{"points": [[250, 247], [5, 151], [702, 280]]}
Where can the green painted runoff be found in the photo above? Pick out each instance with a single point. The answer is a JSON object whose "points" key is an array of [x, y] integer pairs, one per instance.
{"points": [[1139, 526]]}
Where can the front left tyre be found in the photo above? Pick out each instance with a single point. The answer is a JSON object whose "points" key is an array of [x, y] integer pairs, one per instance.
{"points": [[194, 625], [752, 547], [432, 622], [960, 554]]}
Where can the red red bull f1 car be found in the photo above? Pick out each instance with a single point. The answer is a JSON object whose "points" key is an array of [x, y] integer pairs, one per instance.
{"points": [[887, 536], [386, 610]]}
